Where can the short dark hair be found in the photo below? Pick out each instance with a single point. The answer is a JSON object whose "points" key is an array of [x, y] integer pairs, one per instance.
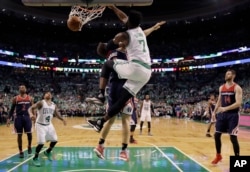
{"points": [[135, 18], [232, 70], [45, 92]]}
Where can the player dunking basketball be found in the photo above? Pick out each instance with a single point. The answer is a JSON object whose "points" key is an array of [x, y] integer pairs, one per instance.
{"points": [[115, 86], [227, 109], [127, 112], [45, 130], [137, 69], [22, 121]]}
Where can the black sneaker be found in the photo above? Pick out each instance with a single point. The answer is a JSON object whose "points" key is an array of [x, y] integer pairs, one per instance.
{"points": [[97, 125], [21, 155], [29, 150], [99, 100]]}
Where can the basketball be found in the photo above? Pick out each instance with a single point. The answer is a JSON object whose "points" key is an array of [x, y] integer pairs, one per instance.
{"points": [[74, 23]]}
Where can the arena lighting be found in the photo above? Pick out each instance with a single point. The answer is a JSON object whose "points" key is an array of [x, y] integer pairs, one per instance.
{"points": [[185, 68], [29, 56], [9, 53], [100, 61], [52, 58], [4, 63], [86, 61], [207, 56], [173, 60], [230, 63]]}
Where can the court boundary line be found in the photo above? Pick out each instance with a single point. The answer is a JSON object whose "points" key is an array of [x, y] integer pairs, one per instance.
{"points": [[191, 158], [8, 157], [158, 148], [13, 168]]}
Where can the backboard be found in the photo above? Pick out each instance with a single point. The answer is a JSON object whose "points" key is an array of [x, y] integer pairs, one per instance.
{"points": [[87, 2]]}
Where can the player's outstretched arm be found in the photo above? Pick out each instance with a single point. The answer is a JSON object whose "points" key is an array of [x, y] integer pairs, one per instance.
{"points": [[120, 14], [154, 28], [58, 115], [32, 109], [11, 112], [102, 49]]}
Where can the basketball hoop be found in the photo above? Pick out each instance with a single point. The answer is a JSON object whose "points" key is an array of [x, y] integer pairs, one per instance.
{"points": [[86, 14]]}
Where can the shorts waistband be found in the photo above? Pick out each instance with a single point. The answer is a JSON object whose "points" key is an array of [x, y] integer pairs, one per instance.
{"points": [[142, 63], [42, 124]]}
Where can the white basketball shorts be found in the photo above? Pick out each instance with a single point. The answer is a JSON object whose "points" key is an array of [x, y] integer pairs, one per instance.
{"points": [[45, 133], [137, 75]]}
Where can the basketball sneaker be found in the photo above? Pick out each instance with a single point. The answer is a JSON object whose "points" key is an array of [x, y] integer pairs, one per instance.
{"points": [[36, 162], [217, 159], [99, 150], [208, 135], [97, 125], [29, 150], [48, 155], [21, 155], [150, 134], [99, 100], [124, 155], [132, 141]]}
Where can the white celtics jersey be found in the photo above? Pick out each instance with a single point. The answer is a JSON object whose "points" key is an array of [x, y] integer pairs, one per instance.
{"points": [[137, 48], [45, 114], [146, 107]]}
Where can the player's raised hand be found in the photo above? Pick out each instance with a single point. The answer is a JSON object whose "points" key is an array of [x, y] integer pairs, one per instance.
{"points": [[111, 7], [158, 25]]}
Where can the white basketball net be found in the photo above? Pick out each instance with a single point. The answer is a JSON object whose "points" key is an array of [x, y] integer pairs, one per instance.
{"points": [[86, 14]]}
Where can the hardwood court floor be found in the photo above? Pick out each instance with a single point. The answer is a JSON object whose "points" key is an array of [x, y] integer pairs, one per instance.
{"points": [[186, 136]]}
